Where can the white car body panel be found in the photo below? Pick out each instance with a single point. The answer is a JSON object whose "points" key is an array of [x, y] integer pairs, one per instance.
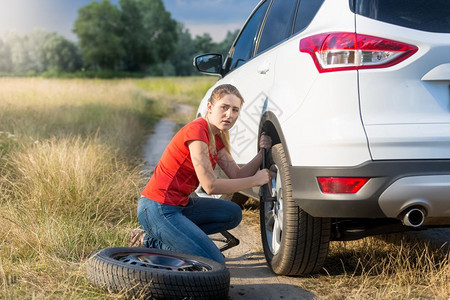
{"points": [[331, 139], [253, 83], [333, 136], [406, 115]]}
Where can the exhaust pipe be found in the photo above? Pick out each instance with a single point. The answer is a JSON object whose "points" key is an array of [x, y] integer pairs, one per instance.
{"points": [[414, 217]]}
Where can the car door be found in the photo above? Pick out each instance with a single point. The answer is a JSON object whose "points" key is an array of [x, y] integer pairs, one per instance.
{"points": [[255, 78], [251, 75]]}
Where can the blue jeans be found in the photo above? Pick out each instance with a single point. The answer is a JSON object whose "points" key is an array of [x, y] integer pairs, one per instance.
{"points": [[186, 228]]}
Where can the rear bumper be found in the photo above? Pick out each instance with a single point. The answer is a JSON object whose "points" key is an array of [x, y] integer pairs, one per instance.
{"points": [[393, 187]]}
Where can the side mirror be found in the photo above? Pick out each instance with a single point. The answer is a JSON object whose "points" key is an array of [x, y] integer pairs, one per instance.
{"points": [[209, 64]]}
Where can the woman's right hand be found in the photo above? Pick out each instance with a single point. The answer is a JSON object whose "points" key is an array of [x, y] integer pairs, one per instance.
{"points": [[262, 177]]}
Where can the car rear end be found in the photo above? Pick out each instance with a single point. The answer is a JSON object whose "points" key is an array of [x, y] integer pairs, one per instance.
{"points": [[405, 108], [401, 53]]}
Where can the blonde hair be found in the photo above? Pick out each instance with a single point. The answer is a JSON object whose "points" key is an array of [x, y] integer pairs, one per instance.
{"points": [[217, 94]]}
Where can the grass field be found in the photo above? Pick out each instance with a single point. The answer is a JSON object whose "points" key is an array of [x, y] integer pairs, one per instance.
{"points": [[70, 163], [70, 176]]}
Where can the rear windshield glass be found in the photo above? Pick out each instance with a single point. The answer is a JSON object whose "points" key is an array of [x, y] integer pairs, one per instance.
{"points": [[426, 15]]}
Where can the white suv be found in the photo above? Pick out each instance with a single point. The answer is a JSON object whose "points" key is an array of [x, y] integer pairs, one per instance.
{"points": [[356, 97]]}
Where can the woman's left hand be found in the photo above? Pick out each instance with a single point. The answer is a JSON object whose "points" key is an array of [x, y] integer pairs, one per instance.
{"points": [[265, 141]]}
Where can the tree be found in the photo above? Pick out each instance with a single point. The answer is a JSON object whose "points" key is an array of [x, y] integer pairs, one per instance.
{"points": [[133, 40], [204, 44], [149, 33], [60, 54], [5, 58], [25, 51], [187, 48], [99, 29], [181, 59], [224, 46]]}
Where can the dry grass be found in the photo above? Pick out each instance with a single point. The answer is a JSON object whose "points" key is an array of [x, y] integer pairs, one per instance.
{"points": [[186, 92], [69, 178], [36, 109], [372, 268], [67, 198], [397, 267], [250, 213]]}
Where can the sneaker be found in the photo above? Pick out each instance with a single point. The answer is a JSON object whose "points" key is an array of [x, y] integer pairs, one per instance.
{"points": [[136, 237]]}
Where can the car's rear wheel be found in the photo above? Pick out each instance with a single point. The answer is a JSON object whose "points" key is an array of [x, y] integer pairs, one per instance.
{"points": [[294, 242]]}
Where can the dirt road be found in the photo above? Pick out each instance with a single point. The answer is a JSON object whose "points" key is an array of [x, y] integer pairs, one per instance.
{"points": [[252, 279], [250, 276]]}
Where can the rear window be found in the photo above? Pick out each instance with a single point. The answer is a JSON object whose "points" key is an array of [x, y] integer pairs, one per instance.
{"points": [[426, 15]]}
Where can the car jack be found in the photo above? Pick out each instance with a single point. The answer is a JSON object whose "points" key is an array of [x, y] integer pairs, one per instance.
{"points": [[230, 241]]}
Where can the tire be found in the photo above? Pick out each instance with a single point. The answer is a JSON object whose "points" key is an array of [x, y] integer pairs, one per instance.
{"points": [[158, 274], [294, 242]]}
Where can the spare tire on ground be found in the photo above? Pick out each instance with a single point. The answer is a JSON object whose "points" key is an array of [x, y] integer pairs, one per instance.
{"points": [[158, 274]]}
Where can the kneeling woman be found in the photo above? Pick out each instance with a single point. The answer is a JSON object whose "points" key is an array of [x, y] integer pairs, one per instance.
{"points": [[174, 221]]}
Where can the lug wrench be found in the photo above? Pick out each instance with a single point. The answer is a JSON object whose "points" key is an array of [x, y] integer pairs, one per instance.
{"points": [[263, 197]]}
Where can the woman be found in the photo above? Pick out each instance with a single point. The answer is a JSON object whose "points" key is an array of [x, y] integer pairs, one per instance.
{"points": [[174, 221]]}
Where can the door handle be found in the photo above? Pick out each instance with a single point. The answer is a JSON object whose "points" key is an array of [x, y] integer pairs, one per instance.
{"points": [[263, 68]]}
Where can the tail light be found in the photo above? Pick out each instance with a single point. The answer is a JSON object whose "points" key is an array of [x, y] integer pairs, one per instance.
{"points": [[339, 51], [341, 185]]}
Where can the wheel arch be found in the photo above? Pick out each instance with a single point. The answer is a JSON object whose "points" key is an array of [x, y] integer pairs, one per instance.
{"points": [[271, 126]]}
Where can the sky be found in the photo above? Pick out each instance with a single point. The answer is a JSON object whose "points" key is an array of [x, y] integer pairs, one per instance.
{"points": [[215, 17]]}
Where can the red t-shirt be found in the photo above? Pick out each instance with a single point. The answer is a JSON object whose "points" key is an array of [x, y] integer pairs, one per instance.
{"points": [[174, 178]]}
